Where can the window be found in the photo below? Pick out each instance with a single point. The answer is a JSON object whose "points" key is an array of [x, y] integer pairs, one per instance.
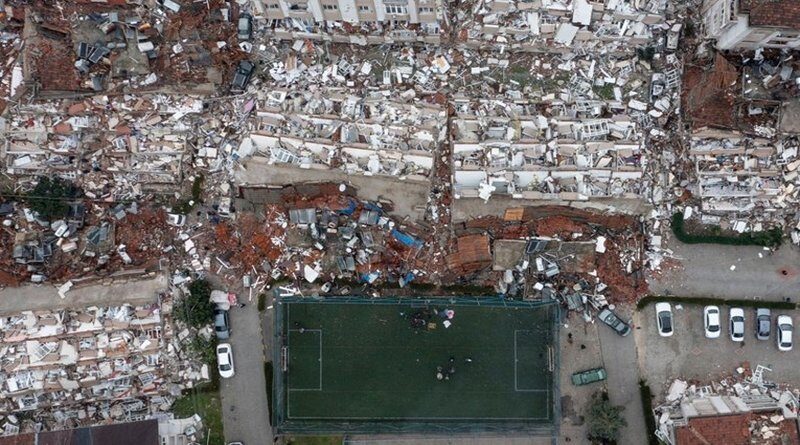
{"points": [[425, 10], [362, 8], [330, 7], [273, 6], [396, 9]]}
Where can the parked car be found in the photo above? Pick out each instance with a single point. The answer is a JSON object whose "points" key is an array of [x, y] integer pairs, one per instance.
{"points": [[736, 317], [176, 220], [785, 329], [589, 376], [763, 323], [245, 27], [610, 318], [664, 319], [222, 324], [711, 321], [242, 75], [225, 360]]}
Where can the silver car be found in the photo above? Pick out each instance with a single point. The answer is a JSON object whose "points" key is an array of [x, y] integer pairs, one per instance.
{"points": [[763, 323]]}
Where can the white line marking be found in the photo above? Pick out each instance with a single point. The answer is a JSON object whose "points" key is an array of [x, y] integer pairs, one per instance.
{"points": [[319, 387]]}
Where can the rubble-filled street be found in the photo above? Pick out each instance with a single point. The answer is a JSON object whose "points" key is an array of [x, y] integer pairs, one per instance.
{"points": [[576, 153]]}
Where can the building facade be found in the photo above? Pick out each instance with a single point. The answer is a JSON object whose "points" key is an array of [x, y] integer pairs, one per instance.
{"points": [[354, 11], [751, 24]]}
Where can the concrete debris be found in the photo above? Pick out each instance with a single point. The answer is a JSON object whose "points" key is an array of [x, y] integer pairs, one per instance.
{"points": [[91, 366], [743, 406]]}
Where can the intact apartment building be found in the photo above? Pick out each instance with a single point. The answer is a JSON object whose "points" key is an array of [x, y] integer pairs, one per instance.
{"points": [[750, 24]]}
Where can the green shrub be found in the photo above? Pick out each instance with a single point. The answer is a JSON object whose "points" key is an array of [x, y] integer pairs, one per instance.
{"points": [[196, 308], [649, 418], [50, 196], [262, 302], [197, 189], [604, 419], [769, 238], [268, 378]]}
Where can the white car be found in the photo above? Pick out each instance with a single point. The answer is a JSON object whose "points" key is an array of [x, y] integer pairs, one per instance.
{"points": [[225, 360], [176, 220], [711, 321], [664, 319], [785, 328], [737, 324]]}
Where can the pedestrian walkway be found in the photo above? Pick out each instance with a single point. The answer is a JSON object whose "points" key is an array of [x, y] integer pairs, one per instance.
{"points": [[45, 296]]}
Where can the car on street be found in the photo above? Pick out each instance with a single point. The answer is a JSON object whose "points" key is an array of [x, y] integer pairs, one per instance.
{"points": [[784, 334], [711, 321], [244, 71], [608, 317], [664, 319], [589, 376], [763, 323], [222, 324], [225, 360], [736, 317]]}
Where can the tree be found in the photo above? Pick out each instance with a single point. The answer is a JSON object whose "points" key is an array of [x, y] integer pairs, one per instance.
{"points": [[50, 197], [196, 308], [605, 419]]}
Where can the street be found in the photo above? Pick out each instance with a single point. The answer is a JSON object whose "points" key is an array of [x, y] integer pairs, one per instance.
{"points": [[620, 361], [245, 413], [706, 272], [45, 297]]}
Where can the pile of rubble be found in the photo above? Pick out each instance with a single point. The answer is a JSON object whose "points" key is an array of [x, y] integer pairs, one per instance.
{"points": [[743, 145], [70, 368], [92, 242], [742, 407]]}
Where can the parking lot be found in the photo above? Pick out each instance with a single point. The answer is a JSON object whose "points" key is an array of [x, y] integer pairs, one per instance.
{"points": [[688, 354]]}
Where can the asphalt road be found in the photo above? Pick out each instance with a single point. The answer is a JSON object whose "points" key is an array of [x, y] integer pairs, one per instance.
{"points": [[245, 413], [620, 361], [707, 272], [688, 354]]}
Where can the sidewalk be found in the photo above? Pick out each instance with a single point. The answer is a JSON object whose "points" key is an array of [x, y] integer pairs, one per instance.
{"points": [[31, 297]]}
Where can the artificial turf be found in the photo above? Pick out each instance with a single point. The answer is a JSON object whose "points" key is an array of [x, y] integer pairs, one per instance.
{"points": [[367, 362]]}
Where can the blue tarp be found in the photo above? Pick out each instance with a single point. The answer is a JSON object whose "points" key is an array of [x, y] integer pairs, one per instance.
{"points": [[406, 239], [350, 208], [370, 206]]}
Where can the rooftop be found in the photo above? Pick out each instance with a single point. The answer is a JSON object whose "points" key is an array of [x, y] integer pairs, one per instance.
{"points": [[781, 13]]}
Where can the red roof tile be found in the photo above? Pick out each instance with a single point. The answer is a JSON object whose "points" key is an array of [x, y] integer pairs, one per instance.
{"points": [[778, 13]]}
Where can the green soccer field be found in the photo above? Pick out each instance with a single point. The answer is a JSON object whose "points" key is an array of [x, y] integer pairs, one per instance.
{"points": [[366, 362]]}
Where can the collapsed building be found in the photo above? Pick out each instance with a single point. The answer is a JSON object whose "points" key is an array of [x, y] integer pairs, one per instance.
{"points": [[359, 135], [743, 143], [742, 409], [84, 367]]}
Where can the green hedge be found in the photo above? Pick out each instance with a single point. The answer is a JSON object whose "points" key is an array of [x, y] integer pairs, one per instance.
{"points": [[705, 301], [268, 377], [262, 302], [770, 238], [649, 418]]}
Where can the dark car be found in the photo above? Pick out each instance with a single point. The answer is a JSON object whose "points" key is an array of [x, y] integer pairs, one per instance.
{"points": [[222, 324], [245, 27], [610, 318], [242, 76], [589, 376], [763, 323]]}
